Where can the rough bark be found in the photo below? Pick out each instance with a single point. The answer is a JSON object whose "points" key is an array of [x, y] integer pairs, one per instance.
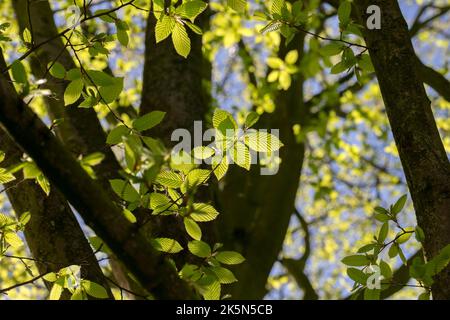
{"points": [[172, 83], [99, 212], [53, 235], [81, 130], [422, 154]]}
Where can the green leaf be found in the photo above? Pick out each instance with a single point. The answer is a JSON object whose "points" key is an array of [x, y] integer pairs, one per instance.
{"points": [[55, 292], [197, 177], [175, 196], [440, 261], [331, 49], [381, 210], [166, 245], [273, 76], [382, 217], [94, 289], [110, 17], [125, 190], [393, 250], [285, 80], [420, 235], [191, 9], [93, 159], [194, 28], [192, 228], [339, 67], [199, 248], [5, 176], [291, 57], [357, 275], [160, 203], [164, 27], [111, 92], [155, 145], [277, 6], [344, 11], [219, 166], [251, 119], [398, 206], [18, 72], [203, 152], [366, 248], [424, 296], [262, 141], [356, 260], [229, 257], [272, 26], [212, 291], [169, 179], [5, 220], [12, 239], [365, 63], [122, 36], [223, 120], [181, 40], [203, 212], [57, 70], [115, 136], [25, 218], [78, 294], [50, 277], [148, 120], [274, 62], [224, 275], [129, 215], [73, 91], [371, 294], [27, 38], [43, 183], [74, 74], [100, 78], [404, 236], [383, 232], [385, 269], [241, 155], [237, 5]]}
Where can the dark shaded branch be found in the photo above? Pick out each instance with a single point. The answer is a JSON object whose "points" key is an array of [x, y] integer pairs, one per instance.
{"points": [[434, 79], [53, 232], [419, 25], [296, 267], [99, 212], [5, 290]]}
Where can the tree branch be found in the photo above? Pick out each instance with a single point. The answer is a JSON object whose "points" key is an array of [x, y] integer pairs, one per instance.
{"points": [[99, 212]]}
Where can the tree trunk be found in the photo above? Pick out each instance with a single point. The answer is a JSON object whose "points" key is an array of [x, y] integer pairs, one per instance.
{"points": [[99, 212], [421, 151], [81, 130], [172, 83], [53, 235]]}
